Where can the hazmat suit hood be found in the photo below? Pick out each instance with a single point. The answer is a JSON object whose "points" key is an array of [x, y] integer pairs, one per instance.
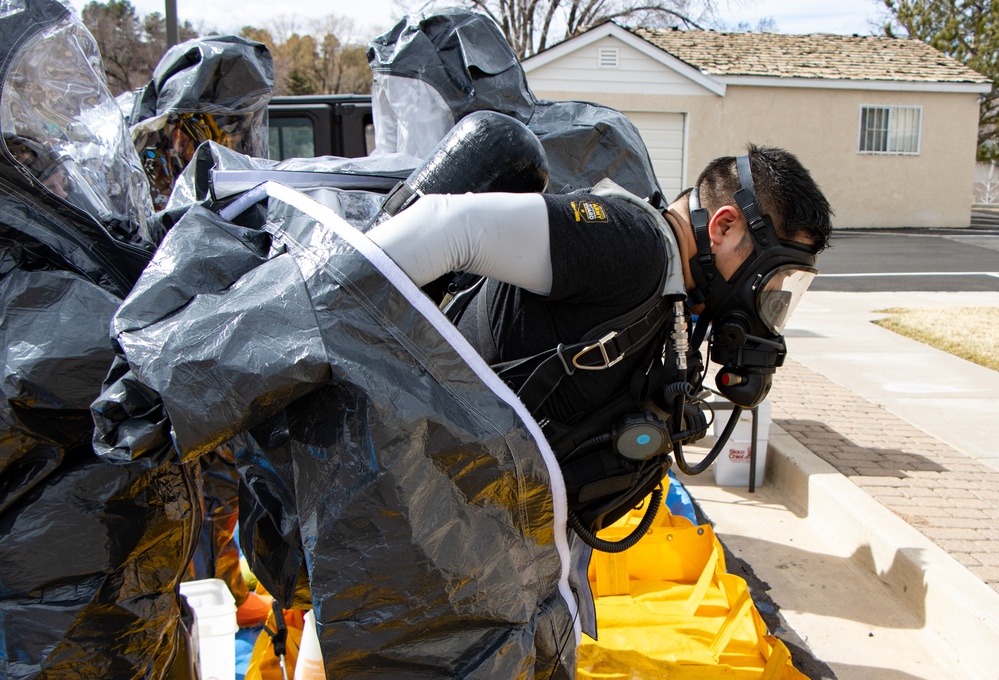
{"points": [[215, 74], [212, 89], [434, 68], [64, 139], [431, 70], [90, 553], [586, 143]]}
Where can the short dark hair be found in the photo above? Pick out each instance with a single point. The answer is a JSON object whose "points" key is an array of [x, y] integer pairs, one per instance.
{"points": [[785, 188]]}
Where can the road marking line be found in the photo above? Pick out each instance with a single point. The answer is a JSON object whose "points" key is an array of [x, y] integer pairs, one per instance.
{"points": [[873, 274]]}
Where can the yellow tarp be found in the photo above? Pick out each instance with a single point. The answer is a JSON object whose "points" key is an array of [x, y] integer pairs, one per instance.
{"points": [[667, 609]]}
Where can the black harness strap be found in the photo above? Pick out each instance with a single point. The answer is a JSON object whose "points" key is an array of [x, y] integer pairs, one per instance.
{"points": [[546, 370]]}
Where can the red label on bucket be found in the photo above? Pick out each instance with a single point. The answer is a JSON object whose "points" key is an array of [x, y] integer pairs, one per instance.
{"points": [[740, 455]]}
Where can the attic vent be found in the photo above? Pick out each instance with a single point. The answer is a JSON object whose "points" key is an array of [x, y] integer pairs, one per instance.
{"points": [[607, 57]]}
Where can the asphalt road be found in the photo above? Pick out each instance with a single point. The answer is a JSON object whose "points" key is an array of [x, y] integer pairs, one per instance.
{"points": [[910, 260]]}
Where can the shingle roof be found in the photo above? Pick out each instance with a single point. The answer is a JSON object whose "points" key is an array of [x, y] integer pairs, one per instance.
{"points": [[817, 55]]}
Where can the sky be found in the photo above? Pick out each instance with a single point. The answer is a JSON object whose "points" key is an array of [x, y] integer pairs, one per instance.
{"points": [[373, 17]]}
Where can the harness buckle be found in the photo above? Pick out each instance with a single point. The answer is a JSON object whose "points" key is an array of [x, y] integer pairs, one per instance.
{"points": [[568, 367], [600, 344]]}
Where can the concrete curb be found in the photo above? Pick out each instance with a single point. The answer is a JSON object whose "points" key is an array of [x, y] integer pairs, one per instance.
{"points": [[958, 607]]}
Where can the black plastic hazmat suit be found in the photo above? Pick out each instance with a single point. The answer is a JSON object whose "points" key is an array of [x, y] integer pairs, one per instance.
{"points": [[214, 88], [90, 551], [205, 89], [432, 69], [430, 510]]}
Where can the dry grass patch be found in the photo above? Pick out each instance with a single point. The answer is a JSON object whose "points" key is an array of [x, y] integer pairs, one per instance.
{"points": [[971, 333]]}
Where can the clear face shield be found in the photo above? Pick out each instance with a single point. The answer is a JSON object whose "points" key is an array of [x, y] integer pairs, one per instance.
{"points": [[61, 124], [779, 292]]}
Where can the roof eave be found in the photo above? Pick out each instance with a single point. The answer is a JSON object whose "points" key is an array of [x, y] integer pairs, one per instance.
{"points": [[857, 84]]}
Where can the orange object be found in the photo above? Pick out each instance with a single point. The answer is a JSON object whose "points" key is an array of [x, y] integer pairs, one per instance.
{"points": [[253, 612], [264, 665]]}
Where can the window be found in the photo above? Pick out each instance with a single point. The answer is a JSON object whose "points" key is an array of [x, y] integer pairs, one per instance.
{"points": [[607, 57], [290, 138], [890, 129]]}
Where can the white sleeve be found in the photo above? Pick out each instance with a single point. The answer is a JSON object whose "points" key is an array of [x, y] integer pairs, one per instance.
{"points": [[496, 235]]}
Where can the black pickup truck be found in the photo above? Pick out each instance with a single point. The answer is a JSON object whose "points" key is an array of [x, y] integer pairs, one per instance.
{"points": [[320, 125]]}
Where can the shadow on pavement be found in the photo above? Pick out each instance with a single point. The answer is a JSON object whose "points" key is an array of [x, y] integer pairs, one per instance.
{"points": [[873, 673], [852, 459], [804, 660]]}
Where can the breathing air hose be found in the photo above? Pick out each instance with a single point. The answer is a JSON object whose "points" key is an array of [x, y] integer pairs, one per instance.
{"points": [[485, 151], [697, 469], [629, 541]]}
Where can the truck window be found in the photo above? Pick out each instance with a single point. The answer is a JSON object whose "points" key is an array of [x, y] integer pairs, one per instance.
{"points": [[307, 126], [291, 138]]}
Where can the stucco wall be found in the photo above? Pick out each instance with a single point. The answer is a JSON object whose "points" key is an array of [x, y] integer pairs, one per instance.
{"points": [[933, 189], [821, 126]]}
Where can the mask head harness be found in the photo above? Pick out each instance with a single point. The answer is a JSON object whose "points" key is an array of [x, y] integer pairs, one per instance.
{"points": [[747, 312]]}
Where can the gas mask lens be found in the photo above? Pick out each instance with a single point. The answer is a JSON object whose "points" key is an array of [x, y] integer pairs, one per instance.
{"points": [[779, 292]]}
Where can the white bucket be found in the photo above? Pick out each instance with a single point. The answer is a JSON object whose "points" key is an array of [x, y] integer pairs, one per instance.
{"points": [[215, 613], [732, 465]]}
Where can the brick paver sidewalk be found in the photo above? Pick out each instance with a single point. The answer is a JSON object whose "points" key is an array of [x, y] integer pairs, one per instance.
{"points": [[948, 496]]}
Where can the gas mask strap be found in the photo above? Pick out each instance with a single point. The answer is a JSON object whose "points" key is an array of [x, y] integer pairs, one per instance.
{"points": [[748, 203], [704, 271], [700, 331]]}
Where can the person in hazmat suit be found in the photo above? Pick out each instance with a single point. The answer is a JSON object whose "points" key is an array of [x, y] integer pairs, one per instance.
{"points": [[91, 552], [205, 89], [432, 503], [213, 89]]}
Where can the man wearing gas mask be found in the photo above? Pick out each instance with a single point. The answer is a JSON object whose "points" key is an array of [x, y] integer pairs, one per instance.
{"points": [[583, 304], [400, 459]]}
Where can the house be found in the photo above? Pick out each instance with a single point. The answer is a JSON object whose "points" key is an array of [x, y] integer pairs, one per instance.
{"points": [[887, 126]]}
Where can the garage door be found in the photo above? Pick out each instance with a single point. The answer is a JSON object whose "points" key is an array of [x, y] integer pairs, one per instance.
{"points": [[663, 135]]}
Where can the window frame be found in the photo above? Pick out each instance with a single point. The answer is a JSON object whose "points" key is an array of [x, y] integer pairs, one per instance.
{"points": [[889, 130]]}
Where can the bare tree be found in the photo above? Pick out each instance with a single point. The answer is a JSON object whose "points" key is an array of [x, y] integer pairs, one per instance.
{"points": [[154, 26], [336, 57], [987, 183], [967, 30], [130, 47], [531, 25], [284, 26], [118, 32], [314, 58]]}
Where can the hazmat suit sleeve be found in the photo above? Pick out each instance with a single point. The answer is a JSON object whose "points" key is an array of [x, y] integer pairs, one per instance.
{"points": [[497, 235], [221, 360], [55, 355]]}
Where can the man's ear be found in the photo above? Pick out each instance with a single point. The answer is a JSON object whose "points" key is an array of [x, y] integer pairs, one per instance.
{"points": [[724, 223]]}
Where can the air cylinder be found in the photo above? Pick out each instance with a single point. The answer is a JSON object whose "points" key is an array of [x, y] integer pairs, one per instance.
{"points": [[484, 151]]}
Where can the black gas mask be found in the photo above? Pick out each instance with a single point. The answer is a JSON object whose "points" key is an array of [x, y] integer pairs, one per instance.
{"points": [[748, 312]]}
